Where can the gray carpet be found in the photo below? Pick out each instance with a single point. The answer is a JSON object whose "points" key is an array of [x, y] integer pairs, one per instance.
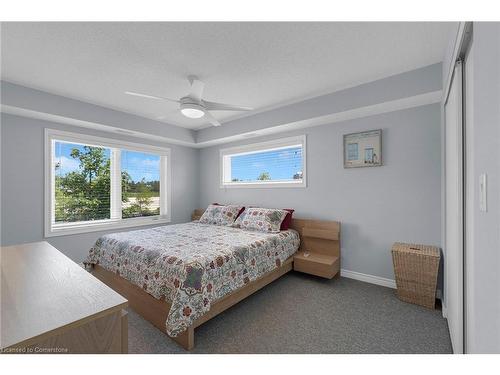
{"points": [[304, 314]]}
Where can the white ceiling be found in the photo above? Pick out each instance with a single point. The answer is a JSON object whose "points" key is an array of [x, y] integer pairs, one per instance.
{"points": [[261, 65]]}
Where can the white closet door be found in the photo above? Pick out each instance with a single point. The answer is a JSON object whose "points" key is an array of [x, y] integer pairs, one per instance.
{"points": [[470, 180], [453, 251]]}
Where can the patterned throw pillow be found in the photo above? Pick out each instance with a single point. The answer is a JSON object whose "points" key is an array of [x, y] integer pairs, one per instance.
{"points": [[237, 222], [262, 219], [220, 215]]}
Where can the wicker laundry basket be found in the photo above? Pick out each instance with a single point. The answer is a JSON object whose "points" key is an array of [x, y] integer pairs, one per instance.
{"points": [[416, 270]]}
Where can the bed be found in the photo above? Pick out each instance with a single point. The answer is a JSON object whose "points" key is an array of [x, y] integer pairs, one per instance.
{"points": [[179, 276]]}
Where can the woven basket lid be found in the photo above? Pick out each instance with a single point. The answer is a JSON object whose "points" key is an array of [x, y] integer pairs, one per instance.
{"points": [[416, 249]]}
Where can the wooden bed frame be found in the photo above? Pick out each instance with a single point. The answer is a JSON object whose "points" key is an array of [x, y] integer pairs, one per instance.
{"points": [[156, 311]]}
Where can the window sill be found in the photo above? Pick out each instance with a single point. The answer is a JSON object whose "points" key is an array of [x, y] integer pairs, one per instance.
{"points": [[104, 226]]}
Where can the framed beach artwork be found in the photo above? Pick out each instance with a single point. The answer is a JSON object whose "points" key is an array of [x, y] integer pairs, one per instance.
{"points": [[363, 149]]}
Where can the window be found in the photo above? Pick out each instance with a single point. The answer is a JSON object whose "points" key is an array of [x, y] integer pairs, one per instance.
{"points": [[279, 163], [140, 184], [95, 184]]}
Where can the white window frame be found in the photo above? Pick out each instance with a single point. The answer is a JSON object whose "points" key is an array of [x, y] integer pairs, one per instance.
{"points": [[225, 166], [115, 222]]}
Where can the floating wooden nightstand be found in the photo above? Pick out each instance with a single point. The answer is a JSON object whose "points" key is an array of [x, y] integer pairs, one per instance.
{"points": [[319, 252]]}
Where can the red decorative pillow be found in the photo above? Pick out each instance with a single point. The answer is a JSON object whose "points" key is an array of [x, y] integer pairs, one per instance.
{"points": [[288, 219]]}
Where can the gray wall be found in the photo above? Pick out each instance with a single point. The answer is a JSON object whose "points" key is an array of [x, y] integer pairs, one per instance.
{"points": [[22, 177], [399, 86], [377, 206], [399, 201], [448, 62], [484, 278], [29, 99]]}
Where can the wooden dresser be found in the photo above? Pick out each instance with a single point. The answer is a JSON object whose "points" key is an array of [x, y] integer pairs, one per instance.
{"points": [[49, 304]]}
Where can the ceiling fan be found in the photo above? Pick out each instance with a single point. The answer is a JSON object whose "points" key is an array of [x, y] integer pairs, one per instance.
{"points": [[192, 105]]}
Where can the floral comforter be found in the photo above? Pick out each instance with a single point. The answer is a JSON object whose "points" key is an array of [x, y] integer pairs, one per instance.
{"points": [[192, 265]]}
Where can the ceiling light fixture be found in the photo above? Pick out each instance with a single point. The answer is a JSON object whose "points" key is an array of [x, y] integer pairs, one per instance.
{"points": [[192, 110], [193, 105]]}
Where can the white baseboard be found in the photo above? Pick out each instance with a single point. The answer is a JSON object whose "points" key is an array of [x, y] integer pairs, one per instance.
{"points": [[389, 283]]}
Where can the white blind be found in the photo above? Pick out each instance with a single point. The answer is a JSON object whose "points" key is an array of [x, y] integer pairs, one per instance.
{"points": [[82, 182], [283, 164], [95, 182]]}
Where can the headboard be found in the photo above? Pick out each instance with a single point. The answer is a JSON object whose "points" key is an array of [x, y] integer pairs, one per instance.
{"points": [[197, 214], [320, 236]]}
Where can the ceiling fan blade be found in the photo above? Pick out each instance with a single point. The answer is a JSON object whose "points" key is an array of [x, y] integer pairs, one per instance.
{"points": [[150, 96], [212, 119], [213, 106], [196, 88]]}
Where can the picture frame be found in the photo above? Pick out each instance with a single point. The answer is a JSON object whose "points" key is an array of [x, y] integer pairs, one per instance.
{"points": [[363, 149]]}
